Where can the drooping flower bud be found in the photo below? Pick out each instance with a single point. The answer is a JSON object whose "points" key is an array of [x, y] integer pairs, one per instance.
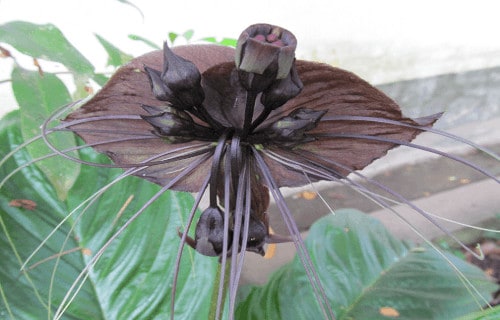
{"points": [[179, 83], [209, 234], [257, 235], [264, 53], [282, 90], [290, 130]]}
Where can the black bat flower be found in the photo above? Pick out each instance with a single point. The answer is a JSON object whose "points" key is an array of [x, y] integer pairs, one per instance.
{"points": [[241, 124]]}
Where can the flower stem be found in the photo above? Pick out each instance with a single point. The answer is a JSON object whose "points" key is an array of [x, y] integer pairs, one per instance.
{"points": [[263, 116], [251, 97], [212, 314]]}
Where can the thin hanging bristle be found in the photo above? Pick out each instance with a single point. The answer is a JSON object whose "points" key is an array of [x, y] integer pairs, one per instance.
{"points": [[183, 242], [297, 239], [451, 136]]}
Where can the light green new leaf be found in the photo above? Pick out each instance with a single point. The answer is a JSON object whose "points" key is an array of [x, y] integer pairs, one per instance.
{"points": [[228, 42], [45, 42], [38, 96], [172, 36], [144, 40], [116, 57], [366, 273], [188, 34]]}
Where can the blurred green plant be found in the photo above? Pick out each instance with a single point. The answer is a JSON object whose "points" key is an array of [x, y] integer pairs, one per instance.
{"points": [[365, 271]]}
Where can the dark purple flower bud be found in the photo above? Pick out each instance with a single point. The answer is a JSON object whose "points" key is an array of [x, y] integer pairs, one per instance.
{"points": [[182, 77], [179, 83], [171, 124], [159, 88], [290, 130], [282, 90], [264, 53]]}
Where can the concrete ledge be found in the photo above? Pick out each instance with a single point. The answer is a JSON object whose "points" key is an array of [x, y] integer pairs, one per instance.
{"points": [[470, 204]]}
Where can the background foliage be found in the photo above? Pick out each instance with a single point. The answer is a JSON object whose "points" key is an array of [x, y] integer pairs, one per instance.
{"points": [[365, 271]]}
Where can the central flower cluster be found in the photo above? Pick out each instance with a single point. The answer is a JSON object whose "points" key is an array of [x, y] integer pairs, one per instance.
{"points": [[262, 79]]}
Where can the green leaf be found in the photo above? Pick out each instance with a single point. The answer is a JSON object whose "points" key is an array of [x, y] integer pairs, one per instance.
{"points": [[133, 278], [38, 96], [172, 36], [146, 41], [26, 294], [45, 42], [188, 34], [487, 314], [101, 79], [116, 57], [133, 6], [366, 272], [228, 42]]}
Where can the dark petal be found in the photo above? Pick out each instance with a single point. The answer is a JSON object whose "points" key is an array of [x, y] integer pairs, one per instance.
{"points": [[260, 199], [262, 45], [114, 112], [257, 57], [341, 93], [224, 96]]}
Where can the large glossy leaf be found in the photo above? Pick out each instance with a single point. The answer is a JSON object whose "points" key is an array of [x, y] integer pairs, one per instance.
{"points": [[38, 96], [47, 42], [488, 314], [132, 280], [367, 274], [26, 294]]}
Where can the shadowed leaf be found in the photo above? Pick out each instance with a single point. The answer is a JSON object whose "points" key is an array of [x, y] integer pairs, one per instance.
{"points": [[38, 97], [133, 278]]}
